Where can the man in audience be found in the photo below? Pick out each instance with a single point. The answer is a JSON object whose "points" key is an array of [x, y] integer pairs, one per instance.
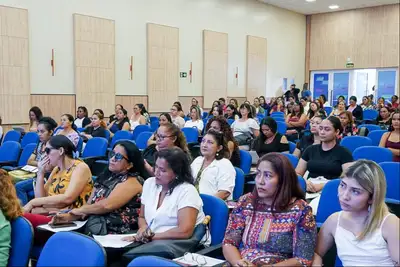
{"points": [[292, 92]]}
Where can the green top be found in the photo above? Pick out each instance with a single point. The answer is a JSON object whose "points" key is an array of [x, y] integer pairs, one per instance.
{"points": [[5, 239]]}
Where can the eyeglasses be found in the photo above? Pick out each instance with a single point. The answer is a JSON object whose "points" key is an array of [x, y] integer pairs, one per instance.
{"points": [[197, 259], [117, 156], [48, 149], [162, 137]]}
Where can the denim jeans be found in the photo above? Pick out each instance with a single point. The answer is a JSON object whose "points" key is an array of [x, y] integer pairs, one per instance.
{"points": [[23, 188]]}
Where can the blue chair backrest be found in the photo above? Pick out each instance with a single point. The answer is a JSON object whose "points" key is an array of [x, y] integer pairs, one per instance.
{"points": [[153, 118], [245, 161], [239, 184], [292, 147], [79, 147], [328, 110], [21, 242], [353, 142], [107, 132], [370, 114], [277, 114], [9, 151], [292, 158], [302, 183], [26, 153], [154, 125], [120, 135], [95, 147], [218, 210], [281, 119], [329, 201], [205, 115], [72, 244], [79, 130], [29, 138], [374, 153], [230, 121], [370, 127], [191, 134], [392, 171], [140, 129], [376, 136], [281, 127], [141, 140], [152, 261], [12, 136]]}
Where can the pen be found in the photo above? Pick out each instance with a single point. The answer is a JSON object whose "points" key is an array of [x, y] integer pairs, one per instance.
{"points": [[64, 211]]}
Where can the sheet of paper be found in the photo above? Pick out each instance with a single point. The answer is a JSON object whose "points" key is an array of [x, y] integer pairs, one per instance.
{"points": [[312, 195], [193, 259], [112, 241], [79, 224], [30, 168]]}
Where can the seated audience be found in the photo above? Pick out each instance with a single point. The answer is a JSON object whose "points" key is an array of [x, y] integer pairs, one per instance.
{"points": [[366, 103], [306, 104], [269, 139], [278, 105], [314, 110], [195, 103], [395, 102], [391, 139], [312, 139], [365, 232], [68, 129], [381, 103], [195, 121], [216, 111], [273, 225], [348, 125], [259, 109], [327, 160], [246, 128], [213, 173], [180, 109], [295, 122], [10, 210], [97, 128], [82, 117], [234, 102], [138, 116], [222, 102], [383, 119], [163, 119], [175, 116], [98, 111], [340, 107], [114, 205], [264, 104], [231, 113], [113, 117], [322, 101], [121, 122], [35, 114], [355, 109]]}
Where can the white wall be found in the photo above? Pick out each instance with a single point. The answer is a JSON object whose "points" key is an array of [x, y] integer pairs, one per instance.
{"points": [[51, 26]]}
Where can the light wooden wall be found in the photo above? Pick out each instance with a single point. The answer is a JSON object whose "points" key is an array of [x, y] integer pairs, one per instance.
{"points": [[14, 66], [94, 40], [215, 66], [256, 69], [55, 105], [369, 36], [162, 66], [186, 102], [129, 101]]}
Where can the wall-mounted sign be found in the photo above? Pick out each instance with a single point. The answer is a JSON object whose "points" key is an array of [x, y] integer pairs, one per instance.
{"points": [[183, 74]]}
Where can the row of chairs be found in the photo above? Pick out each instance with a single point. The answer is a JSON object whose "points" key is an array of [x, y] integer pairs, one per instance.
{"points": [[16, 136]]}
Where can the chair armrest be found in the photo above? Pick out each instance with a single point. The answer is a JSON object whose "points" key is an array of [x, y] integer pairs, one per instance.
{"points": [[8, 163], [9, 168], [93, 158], [392, 201], [212, 251]]}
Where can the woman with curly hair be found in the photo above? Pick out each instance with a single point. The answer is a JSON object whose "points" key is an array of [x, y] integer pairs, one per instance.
{"points": [[10, 209], [219, 123]]}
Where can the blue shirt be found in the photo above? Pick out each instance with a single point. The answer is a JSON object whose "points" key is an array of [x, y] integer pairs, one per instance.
{"points": [[305, 93]]}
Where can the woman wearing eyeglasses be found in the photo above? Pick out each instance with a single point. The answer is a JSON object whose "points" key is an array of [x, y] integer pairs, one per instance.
{"points": [[69, 185], [114, 205], [175, 116], [97, 128]]}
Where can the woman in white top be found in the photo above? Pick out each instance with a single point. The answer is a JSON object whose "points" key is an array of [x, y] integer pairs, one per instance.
{"points": [[175, 116], [137, 117], [196, 120], [245, 128], [82, 118], [213, 172], [365, 232]]}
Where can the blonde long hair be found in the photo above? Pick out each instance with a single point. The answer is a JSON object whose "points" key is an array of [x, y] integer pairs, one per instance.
{"points": [[372, 178]]}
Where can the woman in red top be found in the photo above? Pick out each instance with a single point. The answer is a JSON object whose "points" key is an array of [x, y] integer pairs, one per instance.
{"points": [[391, 139]]}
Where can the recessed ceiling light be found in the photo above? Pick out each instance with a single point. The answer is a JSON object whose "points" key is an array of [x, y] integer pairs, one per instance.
{"points": [[311, 1], [333, 6]]}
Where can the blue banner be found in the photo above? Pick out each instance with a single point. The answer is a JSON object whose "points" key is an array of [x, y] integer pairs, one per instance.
{"points": [[386, 84], [321, 85], [340, 86]]}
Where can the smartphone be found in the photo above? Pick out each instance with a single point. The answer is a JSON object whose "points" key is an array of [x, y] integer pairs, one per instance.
{"points": [[61, 225]]}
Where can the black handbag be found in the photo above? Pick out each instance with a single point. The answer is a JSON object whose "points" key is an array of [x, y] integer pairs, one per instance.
{"points": [[96, 225]]}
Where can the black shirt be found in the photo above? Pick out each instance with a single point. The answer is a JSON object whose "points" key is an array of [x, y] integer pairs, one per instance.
{"points": [[98, 132], [305, 141], [326, 163], [275, 146]]}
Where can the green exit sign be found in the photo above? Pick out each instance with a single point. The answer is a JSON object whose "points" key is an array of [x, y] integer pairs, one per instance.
{"points": [[183, 74]]}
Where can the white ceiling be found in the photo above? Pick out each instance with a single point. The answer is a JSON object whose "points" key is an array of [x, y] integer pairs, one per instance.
{"points": [[322, 6]]}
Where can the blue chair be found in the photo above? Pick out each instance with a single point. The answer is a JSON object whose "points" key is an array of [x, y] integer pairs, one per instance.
{"points": [[370, 127], [80, 129], [370, 114], [329, 201], [376, 136], [218, 210], [292, 158], [107, 135], [141, 140], [302, 183], [353, 142], [392, 171], [277, 114], [191, 134], [374, 153], [29, 138], [140, 129], [23, 159], [96, 147], [9, 153], [152, 261], [72, 244], [281, 127], [12, 136], [292, 147], [154, 125], [153, 118], [120, 135], [21, 242], [79, 147], [245, 161], [239, 184], [230, 121], [205, 115], [328, 110], [281, 119]]}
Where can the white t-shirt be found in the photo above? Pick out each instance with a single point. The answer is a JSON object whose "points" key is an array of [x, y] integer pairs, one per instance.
{"points": [[220, 175], [178, 121], [240, 127], [166, 216], [198, 124], [78, 122]]}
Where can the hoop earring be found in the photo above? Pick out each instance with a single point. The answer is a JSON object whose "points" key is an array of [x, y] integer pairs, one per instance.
{"points": [[217, 154]]}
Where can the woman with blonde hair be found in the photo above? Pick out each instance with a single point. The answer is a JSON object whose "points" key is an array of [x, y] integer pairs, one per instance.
{"points": [[10, 209], [365, 232]]}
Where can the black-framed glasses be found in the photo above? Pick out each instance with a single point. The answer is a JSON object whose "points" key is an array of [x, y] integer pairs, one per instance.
{"points": [[117, 156], [48, 149], [162, 137]]}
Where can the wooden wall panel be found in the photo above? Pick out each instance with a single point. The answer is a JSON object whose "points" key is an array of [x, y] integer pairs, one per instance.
{"points": [[369, 36], [186, 102], [162, 66], [94, 43], [14, 66], [215, 66], [56, 105], [129, 101], [308, 39], [256, 69]]}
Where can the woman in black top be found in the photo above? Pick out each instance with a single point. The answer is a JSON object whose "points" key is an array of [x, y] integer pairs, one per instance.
{"points": [[113, 117], [312, 139], [327, 159], [383, 119], [355, 109], [270, 140], [96, 129]]}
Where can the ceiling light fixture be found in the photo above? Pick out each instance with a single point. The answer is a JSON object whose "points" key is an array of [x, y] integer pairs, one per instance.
{"points": [[333, 6], [310, 1]]}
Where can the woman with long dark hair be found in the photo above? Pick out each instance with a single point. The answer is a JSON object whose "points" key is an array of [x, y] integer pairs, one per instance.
{"points": [[35, 114], [270, 140]]}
